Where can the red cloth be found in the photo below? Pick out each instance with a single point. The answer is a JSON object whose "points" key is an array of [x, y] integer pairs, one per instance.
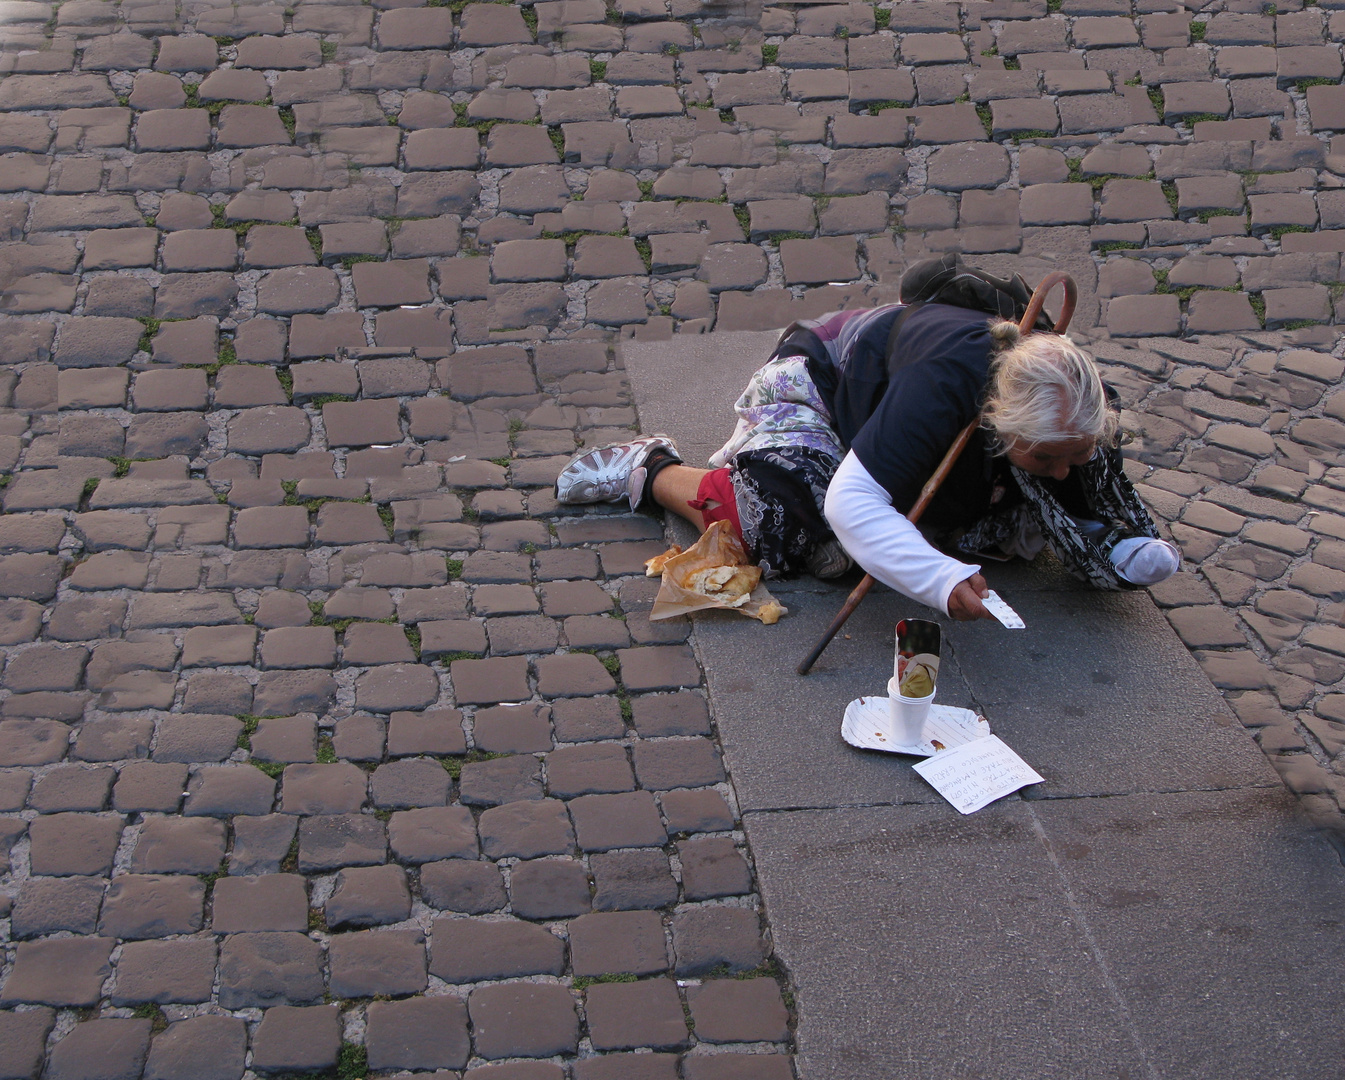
{"points": [[716, 486]]}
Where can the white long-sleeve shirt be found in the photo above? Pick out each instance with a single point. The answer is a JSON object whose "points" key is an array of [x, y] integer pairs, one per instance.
{"points": [[885, 542]]}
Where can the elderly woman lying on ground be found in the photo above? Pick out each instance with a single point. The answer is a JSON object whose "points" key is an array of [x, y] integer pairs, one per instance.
{"points": [[841, 428]]}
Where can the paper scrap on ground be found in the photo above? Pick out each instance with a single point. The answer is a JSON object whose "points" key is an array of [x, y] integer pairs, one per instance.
{"points": [[1000, 610], [866, 724], [977, 773]]}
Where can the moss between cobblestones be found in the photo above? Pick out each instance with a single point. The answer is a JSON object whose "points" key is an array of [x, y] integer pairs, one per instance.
{"points": [[290, 863], [453, 764], [583, 982], [225, 356], [151, 326], [154, 1014], [249, 729], [881, 105], [646, 251], [352, 1061], [1098, 182], [208, 880], [987, 119], [219, 215], [1185, 292], [772, 968]]}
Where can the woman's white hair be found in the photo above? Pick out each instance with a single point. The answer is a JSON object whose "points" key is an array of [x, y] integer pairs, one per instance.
{"points": [[1045, 389]]}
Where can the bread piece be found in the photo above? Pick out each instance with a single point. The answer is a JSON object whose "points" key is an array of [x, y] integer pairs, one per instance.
{"points": [[654, 567], [725, 582]]}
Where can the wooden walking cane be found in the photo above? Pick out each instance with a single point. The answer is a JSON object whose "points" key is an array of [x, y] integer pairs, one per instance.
{"points": [[940, 474]]}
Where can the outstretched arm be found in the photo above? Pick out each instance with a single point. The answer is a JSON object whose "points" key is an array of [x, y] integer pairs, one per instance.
{"points": [[888, 546]]}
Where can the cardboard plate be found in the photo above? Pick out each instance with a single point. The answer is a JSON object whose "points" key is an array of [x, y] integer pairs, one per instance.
{"points": [[865, 727]]}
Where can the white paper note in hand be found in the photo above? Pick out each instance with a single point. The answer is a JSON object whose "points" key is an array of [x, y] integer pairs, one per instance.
{"points": [[1000, 610], [977, 773]]}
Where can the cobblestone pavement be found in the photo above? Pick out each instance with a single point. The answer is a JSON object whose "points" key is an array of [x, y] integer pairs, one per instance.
{"points": [[328, 740]]}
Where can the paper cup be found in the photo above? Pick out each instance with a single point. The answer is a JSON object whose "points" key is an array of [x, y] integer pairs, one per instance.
{"points": [[908, 715]]}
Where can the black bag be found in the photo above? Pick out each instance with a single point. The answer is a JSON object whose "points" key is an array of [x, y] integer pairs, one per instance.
{"points": [[948, 281]]}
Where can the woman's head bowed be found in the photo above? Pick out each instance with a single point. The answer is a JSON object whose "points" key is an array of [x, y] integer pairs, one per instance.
{"points": [[1045, 390]]}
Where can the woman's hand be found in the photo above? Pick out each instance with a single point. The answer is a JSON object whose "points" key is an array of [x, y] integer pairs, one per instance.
{"points": [[964, 602]]}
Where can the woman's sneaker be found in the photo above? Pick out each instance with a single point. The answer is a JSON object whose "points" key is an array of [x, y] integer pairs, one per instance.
{"points": [[610, 473], [829, 560]]}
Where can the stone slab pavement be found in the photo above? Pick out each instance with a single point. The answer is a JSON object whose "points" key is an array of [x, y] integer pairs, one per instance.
{"points": [[1159, 890]]}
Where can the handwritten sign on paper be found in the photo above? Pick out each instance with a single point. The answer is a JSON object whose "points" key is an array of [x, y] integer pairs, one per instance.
{"points": [[977, 773]]}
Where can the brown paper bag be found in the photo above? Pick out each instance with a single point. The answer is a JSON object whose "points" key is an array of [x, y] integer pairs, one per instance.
{"points": [[717, 550]]}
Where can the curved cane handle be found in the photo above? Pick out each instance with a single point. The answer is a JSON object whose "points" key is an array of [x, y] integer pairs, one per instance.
{"points": [[1039, 294]]}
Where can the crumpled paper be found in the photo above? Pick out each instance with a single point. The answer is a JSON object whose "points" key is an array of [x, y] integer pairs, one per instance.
{"points": [[718, 547]]}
